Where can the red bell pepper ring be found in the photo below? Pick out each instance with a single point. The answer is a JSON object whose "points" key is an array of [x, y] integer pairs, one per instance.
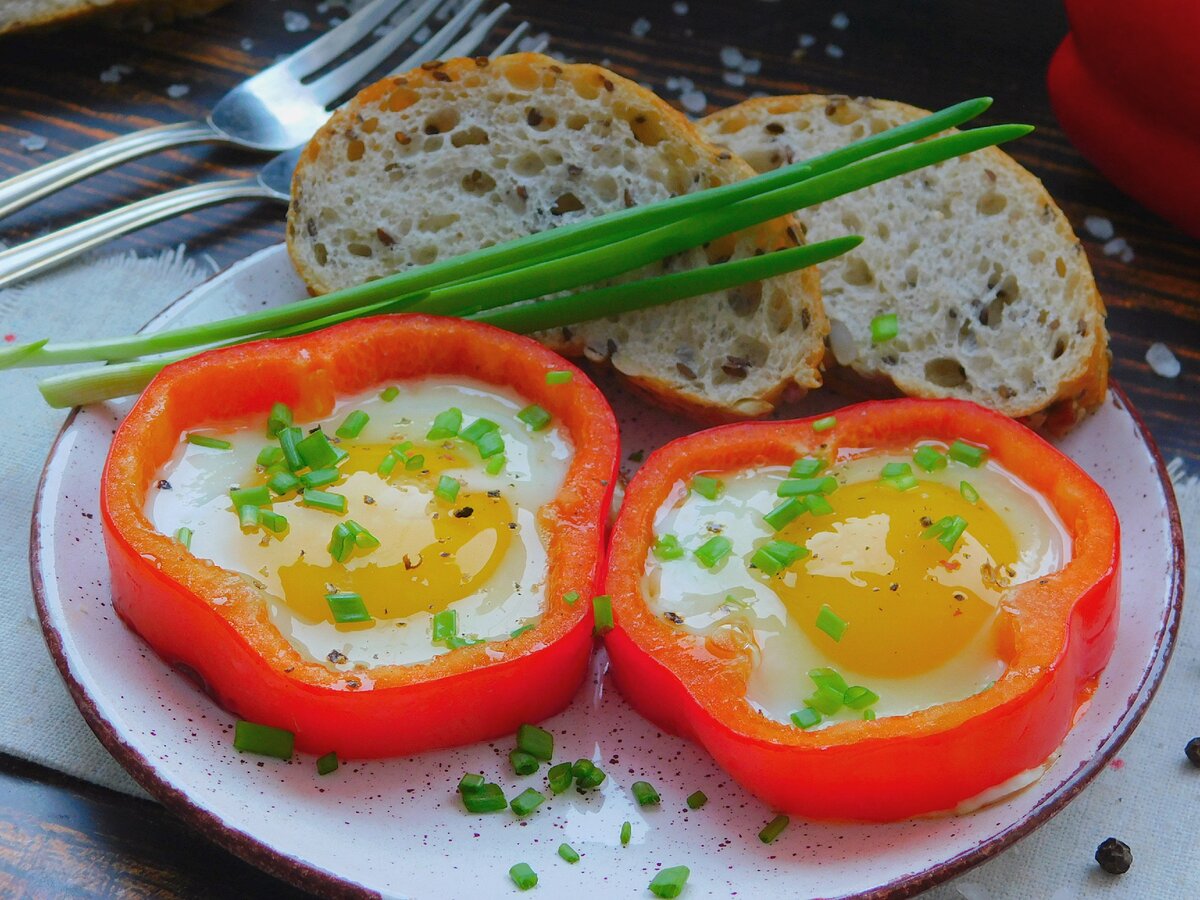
{"points": [[199, 616], [1056, 633], [1125, 86]]}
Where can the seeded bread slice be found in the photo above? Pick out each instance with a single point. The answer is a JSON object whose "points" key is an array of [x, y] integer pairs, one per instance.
{"points": [[17, 15], [461, 155], [995, 298]]}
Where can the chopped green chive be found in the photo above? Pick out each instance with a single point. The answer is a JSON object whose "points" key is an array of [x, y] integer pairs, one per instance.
{"points": [[560, 777], [325, 500], [782, 514], [773, 829], [527, 801], [570, 597], [668, 547], [645, 794], [327, 763], [559, 376], [669, 882], [319, 477], [251, 496], [712, 551], [884, 328], [826, 677], [269, 456], [445, 625], [517, 632], [626, 833], [447, 488], [707, 487], [696, 799], [495, 465], [265, 740], [817, 505], [775, 556], [470, 783], [389, 393], [477, 429], [602, 613], [929, 458], [289, 439], [522, 762], [489, 445], [566, 851], [537, 742], [272, 521], [535, 417], [895, 469], [279, 418], [798, 487], [901, 482], [806, 467], [587, 775], [523, 876], [387, 465], [824, 424], [859, 697], [825, 700], [488, 798], [445, 425], [970, 454], [416, 461], [347, 607], [362, 538], [283, 483], [316, 451], [203, 440], [830, 623], [341, 544], [948, 530], [248, 517], [869, 715], [806, 718], [968, 492], [353, 425], [400, 451], [184, 536]]}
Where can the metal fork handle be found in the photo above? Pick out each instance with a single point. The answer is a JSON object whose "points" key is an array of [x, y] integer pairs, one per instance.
{"points": [[42, 253], [21, 190]]}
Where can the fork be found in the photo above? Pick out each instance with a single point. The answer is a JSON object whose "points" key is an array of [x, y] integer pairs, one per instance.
{"points": [[270, 112], [272, 182]]}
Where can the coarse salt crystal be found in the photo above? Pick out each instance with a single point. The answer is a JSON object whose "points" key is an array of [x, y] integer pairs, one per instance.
{"points": [[295, 21], [1162, 361], [530, 41], [33, 143], [680, 9], [115, 73], [672, 83], [751, 66], [175, 91], [733, 79], [806, 40], [1115, 246], [247, 44], [685, 83], [335, 21], [640, 27], [731, 57], [1099, 227], [694, 101], [840, 21], [834, 51]]}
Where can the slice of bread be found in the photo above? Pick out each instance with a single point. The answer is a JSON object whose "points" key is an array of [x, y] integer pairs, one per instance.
{"points": [[18, 15], [456, 156], [995, 298]]}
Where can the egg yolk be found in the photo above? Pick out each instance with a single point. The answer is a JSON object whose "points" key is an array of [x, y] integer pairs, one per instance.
{"points": [[434, 552], [909, 604]]}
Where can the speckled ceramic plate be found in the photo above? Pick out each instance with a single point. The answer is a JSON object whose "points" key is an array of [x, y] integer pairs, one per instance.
{"points": [[395, 827]]}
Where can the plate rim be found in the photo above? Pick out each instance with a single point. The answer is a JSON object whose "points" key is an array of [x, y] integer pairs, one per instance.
{"points": [[315, 879]]}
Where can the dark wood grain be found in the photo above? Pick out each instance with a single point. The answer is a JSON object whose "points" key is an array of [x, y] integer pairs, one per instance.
{"points": [[59, 837]]}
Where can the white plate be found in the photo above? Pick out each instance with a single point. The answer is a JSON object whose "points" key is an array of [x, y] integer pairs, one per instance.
{"points": [[395, 827]]}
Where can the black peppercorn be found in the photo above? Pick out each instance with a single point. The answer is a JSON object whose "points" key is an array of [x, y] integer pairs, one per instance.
{"points": [[1193, 751], [1114, 856]]}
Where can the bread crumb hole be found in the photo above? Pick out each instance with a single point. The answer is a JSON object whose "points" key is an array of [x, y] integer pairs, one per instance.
{"points": [[842, 113], [646, 129], [945, 372], [472, 135], [744, 299], [356, 249], [437, 223], [478, 182], [528, 164], [991, 204], [606, 189], [433, 142], [441, 121], [857, 272], [1060, 347], [566, 203], [1037, 257], [1060, 266], [883, 231], [423, 256], [355, 150], [577, 122], [321, 252]]}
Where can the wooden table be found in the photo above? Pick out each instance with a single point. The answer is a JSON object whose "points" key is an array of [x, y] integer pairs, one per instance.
{"points": [[59, 836]]}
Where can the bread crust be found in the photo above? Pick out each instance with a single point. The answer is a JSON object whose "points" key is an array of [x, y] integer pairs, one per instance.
{"points": [[1081, 390], [159, 10], [800, 290]]}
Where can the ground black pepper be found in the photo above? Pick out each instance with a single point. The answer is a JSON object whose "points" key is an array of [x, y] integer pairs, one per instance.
{"points": [[1114, 856]]}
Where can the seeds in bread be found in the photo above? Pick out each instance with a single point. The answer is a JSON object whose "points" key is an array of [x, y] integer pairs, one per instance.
{"points": [[995, 298], [456, 156]]}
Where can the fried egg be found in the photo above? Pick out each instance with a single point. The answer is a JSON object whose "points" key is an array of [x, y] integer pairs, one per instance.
{"points": [[874, 600], [480, 554]]}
